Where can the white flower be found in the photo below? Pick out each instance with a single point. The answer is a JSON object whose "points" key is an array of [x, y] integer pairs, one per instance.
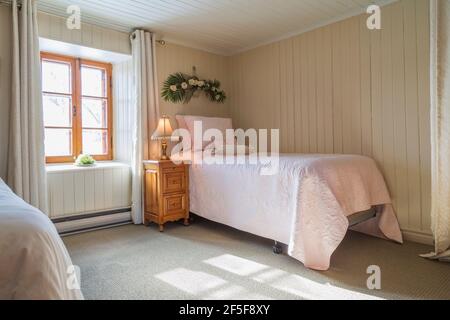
{"points": [[184, 85], [193, 82], [173, 88], [201, 83], [214, 89], [218, 97]]}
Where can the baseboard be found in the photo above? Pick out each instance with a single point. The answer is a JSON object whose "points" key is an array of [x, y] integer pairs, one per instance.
{"points": [[101, 227], [418, 237], [86, 215], [89, 223]]}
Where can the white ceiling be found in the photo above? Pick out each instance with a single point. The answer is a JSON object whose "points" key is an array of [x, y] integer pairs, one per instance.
{"points": [[220, 26]]}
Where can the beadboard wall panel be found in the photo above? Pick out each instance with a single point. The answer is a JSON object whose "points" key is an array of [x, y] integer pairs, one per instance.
{"points": [[75, 192], [345, 89], [54, 28]]}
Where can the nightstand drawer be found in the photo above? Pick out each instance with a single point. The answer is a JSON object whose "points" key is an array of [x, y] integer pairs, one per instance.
{"points": [[173, 182], [175, 205], [172, 168]]}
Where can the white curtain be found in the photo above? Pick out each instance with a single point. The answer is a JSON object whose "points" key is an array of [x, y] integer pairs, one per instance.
{"points": [[26, 157], [440, 124], [146, 114]]}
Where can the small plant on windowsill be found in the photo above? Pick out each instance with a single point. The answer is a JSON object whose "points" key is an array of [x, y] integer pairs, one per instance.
{"points": [[84, 160]]}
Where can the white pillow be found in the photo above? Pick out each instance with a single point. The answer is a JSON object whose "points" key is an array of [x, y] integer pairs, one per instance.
{"points": [[221, 124]]}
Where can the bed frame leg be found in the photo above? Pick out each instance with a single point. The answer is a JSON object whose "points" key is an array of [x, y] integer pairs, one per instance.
{"points": [[277, 249]]}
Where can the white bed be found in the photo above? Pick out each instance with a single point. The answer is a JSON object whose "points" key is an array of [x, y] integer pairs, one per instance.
{"points": [[34, 262], [306, 205]]}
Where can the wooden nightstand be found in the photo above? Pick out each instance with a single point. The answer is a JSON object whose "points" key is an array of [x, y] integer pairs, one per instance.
{"points": [[166, 192]]}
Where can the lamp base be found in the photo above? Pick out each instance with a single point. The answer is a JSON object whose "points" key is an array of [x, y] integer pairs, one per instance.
{"points": [[164, 151]]}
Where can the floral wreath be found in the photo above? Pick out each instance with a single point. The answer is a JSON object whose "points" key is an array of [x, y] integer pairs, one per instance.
{"points": [[180, 88]]}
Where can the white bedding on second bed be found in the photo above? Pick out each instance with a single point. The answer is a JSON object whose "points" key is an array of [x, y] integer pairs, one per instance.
{"points": [[305, 205]]}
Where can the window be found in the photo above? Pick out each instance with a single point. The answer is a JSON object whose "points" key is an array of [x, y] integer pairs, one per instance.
{"points": [[77, 103]]}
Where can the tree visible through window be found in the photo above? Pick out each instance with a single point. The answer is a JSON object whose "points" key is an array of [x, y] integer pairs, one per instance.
{"points": [[76, 97]]}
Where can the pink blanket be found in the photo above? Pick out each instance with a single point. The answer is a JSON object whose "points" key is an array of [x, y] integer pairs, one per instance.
{"points": [[330, 190], [305, 205]]}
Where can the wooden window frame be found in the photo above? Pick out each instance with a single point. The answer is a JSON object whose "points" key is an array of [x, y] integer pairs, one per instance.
{"points": [[77, 127]]}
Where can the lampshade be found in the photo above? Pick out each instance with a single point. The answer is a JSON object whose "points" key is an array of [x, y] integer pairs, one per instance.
{"points": [[164, 130]]}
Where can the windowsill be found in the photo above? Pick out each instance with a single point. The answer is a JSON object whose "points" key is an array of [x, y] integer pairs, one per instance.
{"points": [[70, 167]]}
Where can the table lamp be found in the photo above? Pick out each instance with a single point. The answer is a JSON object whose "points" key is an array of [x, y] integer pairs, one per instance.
{"points": [[163, 133]]}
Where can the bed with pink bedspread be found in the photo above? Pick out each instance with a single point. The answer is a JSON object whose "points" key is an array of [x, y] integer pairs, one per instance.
{"points": [[305, 205]]}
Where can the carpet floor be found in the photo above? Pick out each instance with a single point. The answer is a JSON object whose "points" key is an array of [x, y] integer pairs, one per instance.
{"points": [[211, 261]]}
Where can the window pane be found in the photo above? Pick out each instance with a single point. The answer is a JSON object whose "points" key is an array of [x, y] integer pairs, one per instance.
{"points": [[95, 142], [95, 113], [56, 77], [93, 82], [57, 111], [58, 142]]}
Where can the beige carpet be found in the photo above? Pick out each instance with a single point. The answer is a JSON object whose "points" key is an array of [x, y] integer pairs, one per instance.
{"points": [[210, 261]]}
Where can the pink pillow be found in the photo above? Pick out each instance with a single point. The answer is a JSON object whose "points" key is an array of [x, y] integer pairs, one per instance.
{"points": [[181, 122], [221, 124]]}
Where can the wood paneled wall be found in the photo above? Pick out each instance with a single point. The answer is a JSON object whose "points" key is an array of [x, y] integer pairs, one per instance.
{"points": [[345, 89], [54, 28]]}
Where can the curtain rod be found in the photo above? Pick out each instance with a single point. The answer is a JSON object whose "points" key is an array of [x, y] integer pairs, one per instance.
{"points": [[161, 42]]}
